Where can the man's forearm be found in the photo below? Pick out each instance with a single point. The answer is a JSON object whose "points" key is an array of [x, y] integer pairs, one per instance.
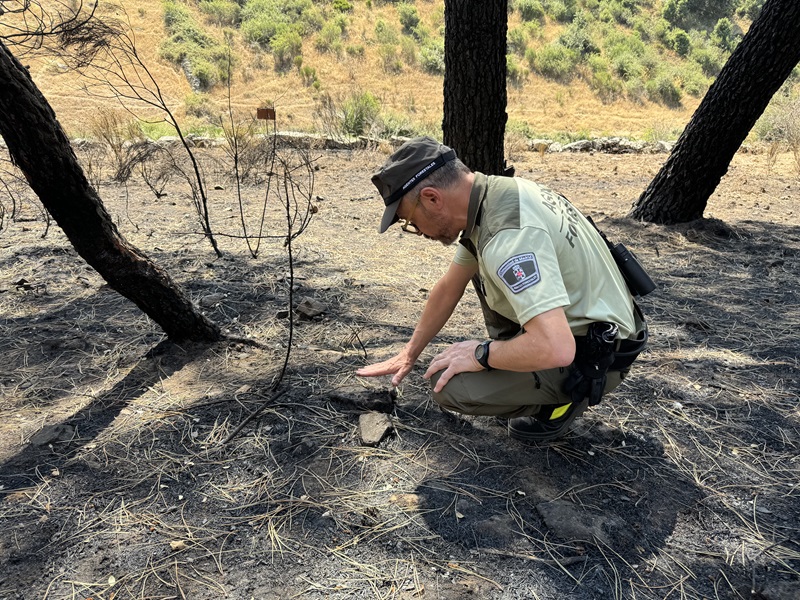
{"points": [[438, 309], [546, 343]]}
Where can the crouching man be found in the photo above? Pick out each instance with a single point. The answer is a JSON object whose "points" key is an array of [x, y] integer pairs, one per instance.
{"points": [[563, 327]]}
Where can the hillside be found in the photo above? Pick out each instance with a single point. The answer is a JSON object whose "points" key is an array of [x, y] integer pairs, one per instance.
{"points": [[576, 67]]}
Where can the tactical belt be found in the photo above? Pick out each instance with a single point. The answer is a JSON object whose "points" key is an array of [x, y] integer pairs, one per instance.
{"points": [[599, 352]]}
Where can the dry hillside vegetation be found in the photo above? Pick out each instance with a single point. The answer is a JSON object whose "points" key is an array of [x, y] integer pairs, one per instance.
{"points": [[409, 97], [115, 481]]}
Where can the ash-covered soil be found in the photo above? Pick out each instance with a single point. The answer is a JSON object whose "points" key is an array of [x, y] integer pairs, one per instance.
{"points": [[116, 480]]}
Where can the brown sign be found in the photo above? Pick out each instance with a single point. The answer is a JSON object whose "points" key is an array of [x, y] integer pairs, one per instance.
{"points": [[265, 113]]}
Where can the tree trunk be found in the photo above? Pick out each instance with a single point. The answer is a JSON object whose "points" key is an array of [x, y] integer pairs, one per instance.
{"points": [[40, 148], [755, 71], [475, 82]]}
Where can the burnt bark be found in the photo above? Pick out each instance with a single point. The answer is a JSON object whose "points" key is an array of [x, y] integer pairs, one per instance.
{"points": [[756, 70], [475, 82], [40, 148]]}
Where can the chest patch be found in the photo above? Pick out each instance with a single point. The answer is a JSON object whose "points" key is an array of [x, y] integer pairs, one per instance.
{"points": [[520, 272]]}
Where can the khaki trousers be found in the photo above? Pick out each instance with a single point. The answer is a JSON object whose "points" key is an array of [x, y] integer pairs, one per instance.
{"points": [[506, 393]]}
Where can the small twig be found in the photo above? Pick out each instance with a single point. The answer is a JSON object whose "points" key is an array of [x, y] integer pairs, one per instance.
{"points": [[252, 416]]}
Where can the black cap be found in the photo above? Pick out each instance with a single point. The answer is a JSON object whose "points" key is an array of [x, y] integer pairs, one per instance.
{"points": [[411, 163]]}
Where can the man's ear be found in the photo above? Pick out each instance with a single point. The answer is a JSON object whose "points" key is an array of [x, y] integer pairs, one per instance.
{"points": [[431, 196]]}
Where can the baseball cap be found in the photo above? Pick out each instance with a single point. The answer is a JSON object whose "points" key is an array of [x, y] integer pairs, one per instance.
{"points": [[406, 167]]}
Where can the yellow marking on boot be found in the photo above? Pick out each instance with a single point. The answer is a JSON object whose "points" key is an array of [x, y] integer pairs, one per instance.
{"points": [[560, 411]]}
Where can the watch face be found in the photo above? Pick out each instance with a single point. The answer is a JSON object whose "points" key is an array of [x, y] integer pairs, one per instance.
{"points": [[480, 353]]}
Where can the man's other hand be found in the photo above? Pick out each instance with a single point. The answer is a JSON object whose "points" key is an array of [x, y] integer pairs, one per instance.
{"points": [[458, 358]]}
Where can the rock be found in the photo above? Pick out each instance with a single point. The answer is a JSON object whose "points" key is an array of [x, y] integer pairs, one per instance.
{"points": [[374, 400], [571, 522], [211, 300], [498, 527], [373, 427], [556, 147], [168, 141], [632, 147], [663, 147], [52, 434], [580, 146], [310, 308]]}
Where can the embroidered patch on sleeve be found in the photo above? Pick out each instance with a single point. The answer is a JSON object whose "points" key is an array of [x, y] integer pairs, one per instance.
{"points": [[520, 272]]}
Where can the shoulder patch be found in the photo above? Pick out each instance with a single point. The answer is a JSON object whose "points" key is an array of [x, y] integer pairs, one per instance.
{"points": [[520, 272]]}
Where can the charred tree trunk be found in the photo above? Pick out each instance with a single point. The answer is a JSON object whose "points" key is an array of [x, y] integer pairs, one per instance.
{"points": [[755, 71], [475, 82], [40, 148]]}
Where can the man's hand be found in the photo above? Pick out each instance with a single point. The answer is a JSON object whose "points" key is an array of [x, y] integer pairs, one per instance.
{"points": [[458, 358], [399, 365]]}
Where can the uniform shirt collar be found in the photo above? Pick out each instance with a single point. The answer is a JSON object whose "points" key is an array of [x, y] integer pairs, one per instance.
{"points": [[476, 198]]}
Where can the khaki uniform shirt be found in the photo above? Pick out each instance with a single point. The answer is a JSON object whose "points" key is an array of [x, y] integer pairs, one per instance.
{"points": [[536, 252]]}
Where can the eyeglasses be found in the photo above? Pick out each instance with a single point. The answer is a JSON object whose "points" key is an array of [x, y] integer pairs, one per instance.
{"points": [[406, 225]]}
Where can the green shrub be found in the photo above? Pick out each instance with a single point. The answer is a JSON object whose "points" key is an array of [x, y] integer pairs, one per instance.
{"points": [[662, 88], [635, 90], [617, 43], [601, 80], [308, 75], [681, 42], [175, 14], [395, 124], [198, 105], [359, 112], [262, 19], [342, 5], [385, 33], [286, 44], [431, 57], [578, 37], [206, 73], [723, 35], [627, 66], [517, 41], [749, 8], [409, 17], [390, 62], [620, 12], [421, 33], [221, 12], [562, 11], [515, 72], [408, 50], [710, 58], [679, 12], [355, 50], [555, 61], [530, 10], [188, 45], [692, 79], [329, 38], [530, 57]]}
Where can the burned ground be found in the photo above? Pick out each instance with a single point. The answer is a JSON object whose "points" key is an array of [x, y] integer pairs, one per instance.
{"points": [[116, 483]]}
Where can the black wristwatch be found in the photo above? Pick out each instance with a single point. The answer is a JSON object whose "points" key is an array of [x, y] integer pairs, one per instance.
{"points": [[482, 354]]}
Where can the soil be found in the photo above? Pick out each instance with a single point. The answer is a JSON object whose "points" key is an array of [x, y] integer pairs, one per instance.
{"points": [[116, 480]]}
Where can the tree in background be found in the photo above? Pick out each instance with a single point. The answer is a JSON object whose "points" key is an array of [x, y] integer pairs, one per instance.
{"points": [[759, 65], [475, 82], [40, 148]]}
